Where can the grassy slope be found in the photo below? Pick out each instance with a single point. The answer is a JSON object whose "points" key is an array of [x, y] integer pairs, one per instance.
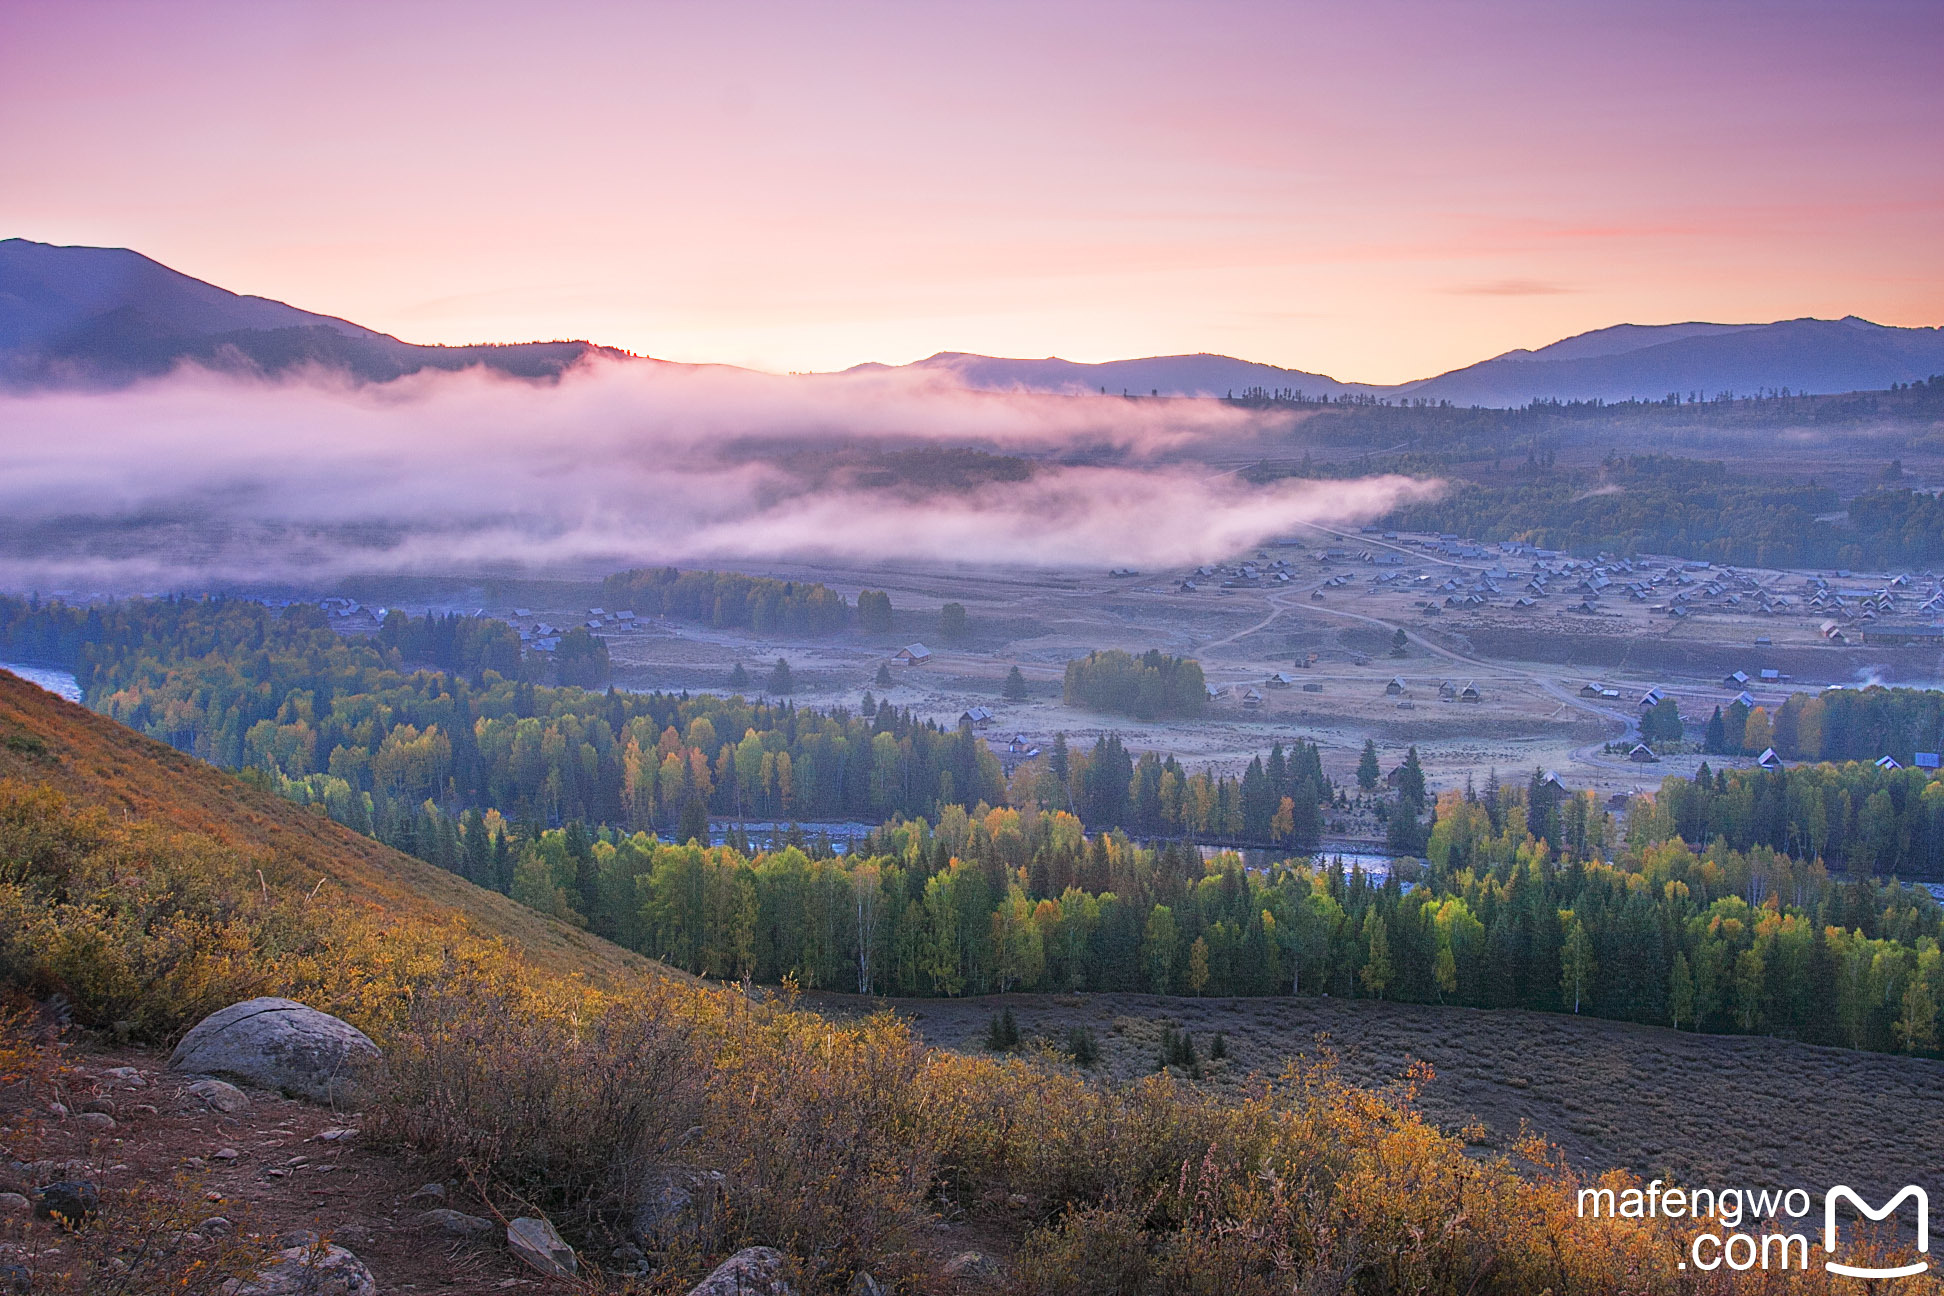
{"points": [[93, 759]]}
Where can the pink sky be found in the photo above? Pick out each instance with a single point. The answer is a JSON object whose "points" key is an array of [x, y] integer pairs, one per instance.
{"points": [[1376, 190]]}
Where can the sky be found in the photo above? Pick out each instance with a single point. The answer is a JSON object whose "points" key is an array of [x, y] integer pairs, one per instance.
{"points": [[1378, 190]]}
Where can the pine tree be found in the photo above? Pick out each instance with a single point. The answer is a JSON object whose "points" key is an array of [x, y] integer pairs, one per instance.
{"points": [[951, 622], [1576, 964], [883, 679], [739, 678], [1368, 772], [779, 681], [694, 826], [1015, 686]]}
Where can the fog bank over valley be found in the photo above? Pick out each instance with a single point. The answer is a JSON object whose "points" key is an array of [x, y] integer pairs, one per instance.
{"points": [[208, 478]]}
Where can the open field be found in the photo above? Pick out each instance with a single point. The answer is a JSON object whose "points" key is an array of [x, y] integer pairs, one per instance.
{"points": [[1709, 1110], [1328, 628]]}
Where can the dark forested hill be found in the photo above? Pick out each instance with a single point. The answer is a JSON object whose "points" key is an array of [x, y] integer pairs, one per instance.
{"points": [[1630, 362], [103, 317]]}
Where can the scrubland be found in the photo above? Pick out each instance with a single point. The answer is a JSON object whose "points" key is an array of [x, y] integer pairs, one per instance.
{"points": [[556, 1084]]}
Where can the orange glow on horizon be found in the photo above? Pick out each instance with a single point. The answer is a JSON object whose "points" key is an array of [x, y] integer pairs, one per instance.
{"points": [[1378, 192]]}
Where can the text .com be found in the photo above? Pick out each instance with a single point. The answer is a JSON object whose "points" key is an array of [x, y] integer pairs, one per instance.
{"points": [[1728, 1210]]}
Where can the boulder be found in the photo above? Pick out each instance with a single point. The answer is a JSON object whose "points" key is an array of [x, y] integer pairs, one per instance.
{"points": [[457, 1224], [752, 1271], [677, 1207], [970, 1264], [309, 1271], [13, 1203], [283, 1045], [15, 1280], [68, 1202], [534, 1241], [94, 1122], [219, 1095]]}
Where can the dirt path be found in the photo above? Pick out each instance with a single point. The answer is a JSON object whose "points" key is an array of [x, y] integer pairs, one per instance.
{"points": [[272, 1168]]}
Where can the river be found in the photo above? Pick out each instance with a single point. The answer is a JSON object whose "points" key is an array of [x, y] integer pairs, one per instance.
{"points": [[58, 682]]}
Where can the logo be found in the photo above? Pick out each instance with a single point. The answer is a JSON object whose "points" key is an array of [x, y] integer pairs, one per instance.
{"points": [[1840, 1192]]}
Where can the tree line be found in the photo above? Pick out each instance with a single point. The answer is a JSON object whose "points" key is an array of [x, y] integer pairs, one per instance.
{"points": [[1686, 507], [999, 900], [350, 724]]}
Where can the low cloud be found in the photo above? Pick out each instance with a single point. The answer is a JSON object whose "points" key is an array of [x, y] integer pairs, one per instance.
{"points": [[1513, 288], [204, 479]]}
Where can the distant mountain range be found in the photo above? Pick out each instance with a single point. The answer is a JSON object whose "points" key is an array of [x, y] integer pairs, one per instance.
{"points": [[84, 316]]}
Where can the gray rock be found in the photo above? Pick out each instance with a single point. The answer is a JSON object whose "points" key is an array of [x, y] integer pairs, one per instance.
{"points": [[105, 1106], [13, 1203], [457, 1224], [95, 1122], [430, 1192], [752, 1271], [283, 1045], [970, 1264], [15, 1279], [296, 1239], [127, 1076], [215, 1226], [862, 1284], [69, 1202], [677, 1207], [309, 1271], [534, 1241], [219, 1095]]}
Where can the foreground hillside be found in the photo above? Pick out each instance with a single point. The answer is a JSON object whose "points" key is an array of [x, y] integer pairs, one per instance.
{"points": [[660, 1125], [50, 742]]}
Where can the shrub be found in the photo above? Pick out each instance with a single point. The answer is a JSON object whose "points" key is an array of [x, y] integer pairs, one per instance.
{"points": [[1002, 1032], [1082, 1047]]}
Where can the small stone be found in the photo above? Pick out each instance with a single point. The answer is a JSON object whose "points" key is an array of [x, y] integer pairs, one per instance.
{"points": [[14, 1203], [752, 1271], [95, 1122], [212, 1196], [277, 1174], [457, 1224], [194, 1163], [215, 1226], [69, 1202], [127, 1077], [226, 1154], [297, 1161], [219, 1095], [536, 1242], [57, 1110], [310, 1271], [429, 1192], [970, 1264], [336, 1135], [296, 1238], [103, 1105], [144, 1109]]}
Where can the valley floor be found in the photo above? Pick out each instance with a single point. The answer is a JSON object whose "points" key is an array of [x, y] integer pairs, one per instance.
{"points": [[1702, 1110]]}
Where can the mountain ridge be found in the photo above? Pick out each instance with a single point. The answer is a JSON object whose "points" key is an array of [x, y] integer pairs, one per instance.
{"points": [[88, 317], [77, 316]]}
